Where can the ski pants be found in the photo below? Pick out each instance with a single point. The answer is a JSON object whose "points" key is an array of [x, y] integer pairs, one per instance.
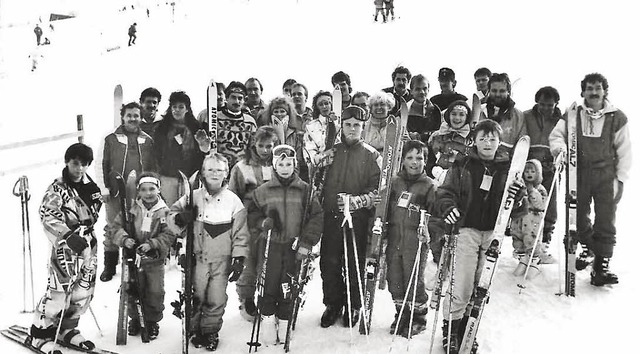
{"points": [[210, 294], [399, 267], [523, 231], [596, 184], [70, 288], [281, 265], [552, 211], [469, 260], [151, 288], [332, 259], [246, 284], [112, 208]]}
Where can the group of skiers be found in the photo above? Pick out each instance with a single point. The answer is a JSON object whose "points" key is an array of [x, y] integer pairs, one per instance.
{"points": [[284, 177]]}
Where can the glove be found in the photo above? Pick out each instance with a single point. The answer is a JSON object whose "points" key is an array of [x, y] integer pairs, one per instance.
{"points": [[515, 187], [452, 216], [357, 201], [272, 221], [143, 248], [76, 242], [184, 217], [302, 253], [237, 266], [129, 242]]}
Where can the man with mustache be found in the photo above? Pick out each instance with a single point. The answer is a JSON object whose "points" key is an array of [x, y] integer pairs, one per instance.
{"points": [[254, 103], [149, 101], [501, 108], [234, 126], [401, 77], [604, 162]]}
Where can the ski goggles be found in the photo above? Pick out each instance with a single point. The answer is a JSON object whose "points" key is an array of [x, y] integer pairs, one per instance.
{"points": [[282, 152], [354, 112]]}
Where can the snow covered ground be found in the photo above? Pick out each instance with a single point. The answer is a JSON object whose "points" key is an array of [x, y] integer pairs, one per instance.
{"points": [[543, 43]]}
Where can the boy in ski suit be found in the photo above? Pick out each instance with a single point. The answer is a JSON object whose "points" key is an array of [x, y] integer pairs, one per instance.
{"points": [[604, 163], [354, 170], [220, 246], [410, 191], [68, 212], [151, 239], [527, 217], [471, 197], [254, 169], [278, 207], [127, 149]]}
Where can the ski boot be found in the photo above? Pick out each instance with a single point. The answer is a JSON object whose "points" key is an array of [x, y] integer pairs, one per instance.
{"points": [[212, 341], [402, 318], [43, 339], [154, 329], [330, 316], [247, 309], [585, 258], [600, 274], [72, 336], [110, 262], [451, 345], [355, 317], [419, 324], [461, 328], [199, 340], [134, 327], [534, 269]]}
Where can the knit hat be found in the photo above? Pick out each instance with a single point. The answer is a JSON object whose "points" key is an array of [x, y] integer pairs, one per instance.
{"points": [[354, 112], [464, 105], [235, 87], [538, 168]]}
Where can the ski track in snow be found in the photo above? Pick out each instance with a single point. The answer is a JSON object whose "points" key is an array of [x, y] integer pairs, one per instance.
{"points": [[76, 76]]}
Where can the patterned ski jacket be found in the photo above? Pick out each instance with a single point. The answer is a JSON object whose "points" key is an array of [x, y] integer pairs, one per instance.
{"points": [[124, 152], [450, 144]]}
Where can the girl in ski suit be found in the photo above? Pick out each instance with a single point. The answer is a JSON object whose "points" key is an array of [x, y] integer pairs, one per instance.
{"points": [[410, 191], [151, 239], [68, 212], [278, 206]]}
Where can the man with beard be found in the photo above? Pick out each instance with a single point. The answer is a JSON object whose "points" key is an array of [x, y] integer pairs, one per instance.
{"points": [[540, 121], [481, 76], [343, 80], [149, 101], [501, 108], [234, 126], [604, 163], [354, 171], [401, 77], [447, 80], [254, 102], [127, 149]]}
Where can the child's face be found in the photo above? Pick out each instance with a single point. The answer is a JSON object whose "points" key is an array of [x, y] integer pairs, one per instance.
{"points": [[413, 162], [148, 192], [214, 172], [285, 167], [77, 169], [487, 144], [529, 174], [458, 117], [264, 148]]}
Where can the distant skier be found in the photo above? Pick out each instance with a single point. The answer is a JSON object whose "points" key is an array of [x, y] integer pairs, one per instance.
{"points": [[388, 6], [35, 57], [132, 34], [38, 31], [379, 10], [68, 212]]}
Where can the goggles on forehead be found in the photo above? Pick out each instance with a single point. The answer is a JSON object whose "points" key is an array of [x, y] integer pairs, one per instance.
{"points": [[149, 179], [283, 151], [354, 112]]}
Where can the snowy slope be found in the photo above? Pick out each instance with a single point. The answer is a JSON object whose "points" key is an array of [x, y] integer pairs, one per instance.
{"points": [[544, 43]]}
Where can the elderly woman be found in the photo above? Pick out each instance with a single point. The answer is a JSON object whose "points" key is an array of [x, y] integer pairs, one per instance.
{"points": [[375, 129]]}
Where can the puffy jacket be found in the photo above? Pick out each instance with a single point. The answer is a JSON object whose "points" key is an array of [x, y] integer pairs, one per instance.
{"points": [[450, 144], [539, 128], [245, 177], [159, 236], [220, 228], [116, 150], [171, 156], [290, 203], [510, 119]]}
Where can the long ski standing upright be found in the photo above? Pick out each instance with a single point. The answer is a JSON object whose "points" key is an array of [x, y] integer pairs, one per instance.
{"points": [[212, 112], [571, 202], [117, 105], [481, 296]]}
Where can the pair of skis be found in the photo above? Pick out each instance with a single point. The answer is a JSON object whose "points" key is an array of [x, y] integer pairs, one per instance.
{"points": [[20, 335]]}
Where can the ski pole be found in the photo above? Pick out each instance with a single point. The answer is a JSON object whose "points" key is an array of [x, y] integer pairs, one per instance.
{"points": [[95, 319], [360, 289], [21, 189], [346, 220], [254, 343], [404, 301], [422, 228], [452, 270]]}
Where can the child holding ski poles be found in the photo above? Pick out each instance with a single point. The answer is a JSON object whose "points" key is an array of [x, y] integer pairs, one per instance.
{"points": [[411, 191], [278, 206], [151, 239], [471, 197]]}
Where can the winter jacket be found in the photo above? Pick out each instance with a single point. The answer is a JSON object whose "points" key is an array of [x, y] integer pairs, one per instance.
{"points": [[289, 202], [355, 170], [406, 97], [539, 128], [425, 123], [117, 150], [450, 144], [612, 150], [510, 119], [158, 236], [245, 177], [316, 133], [375, 132], [173, 155], [404, 221], [443, 100], [234, 133], [461, 189], [220, 228]]}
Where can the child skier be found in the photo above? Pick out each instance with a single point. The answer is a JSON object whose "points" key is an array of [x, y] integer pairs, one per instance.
{"points": [[68, 212], [251, 171], [220, 246], [411, 191], [151, 238], [278, 206], [526, 218], [470, 197]]}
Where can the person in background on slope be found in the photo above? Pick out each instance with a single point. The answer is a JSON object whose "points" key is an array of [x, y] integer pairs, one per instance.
{"points": [[354, 170], [343, 80], [254, 103], [151, 239], [447, 80], [38, 31], [35, 57], [277, 115], [234, 126], [220, 246], [278, 208], [502, 109], [127, 149], [481, 77], [375, 129], [540, 121], [604, 163], [253, 170], [526, 218], [470, 197], [287, 85], [380, 10], [410, 191], [68, 212], [400, 77], [132, 34], [149, 100], [203, 116], [388, 6]]}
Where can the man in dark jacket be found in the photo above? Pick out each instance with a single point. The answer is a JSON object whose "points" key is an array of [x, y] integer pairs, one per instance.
{"points": [[447, 80], [401, 77]]}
